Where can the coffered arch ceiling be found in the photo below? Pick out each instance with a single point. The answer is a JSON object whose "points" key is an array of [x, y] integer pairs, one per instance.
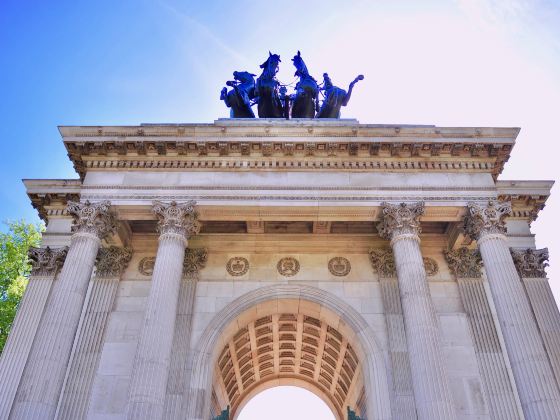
{"points": [[289, 348]]}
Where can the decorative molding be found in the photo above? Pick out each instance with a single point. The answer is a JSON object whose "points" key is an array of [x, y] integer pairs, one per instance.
{"points": [[383, 263], [400, 219], [92, 218], [52, 203], [46, 261], [174, 218], [112, 261], [195, 260], [339, 266], [530, 263], [288, 266], [484, 220], [464, 262], [237, 266]]}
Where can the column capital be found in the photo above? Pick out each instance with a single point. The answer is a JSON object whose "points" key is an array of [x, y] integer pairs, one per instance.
{"points": [[177, 218], [195, 260], [46, 261], [112, 261], [464, 262], [530, 262], [383, 262], [484, 220], [400, 219], [93, 218]]}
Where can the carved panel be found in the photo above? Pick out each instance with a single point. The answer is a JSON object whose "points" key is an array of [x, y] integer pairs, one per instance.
{"points": [[339, 266], [288, 266], [237, 266]]}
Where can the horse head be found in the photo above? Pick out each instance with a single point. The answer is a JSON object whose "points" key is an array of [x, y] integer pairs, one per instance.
{"points": [[299, 64], [244, 77], [270, 66]]}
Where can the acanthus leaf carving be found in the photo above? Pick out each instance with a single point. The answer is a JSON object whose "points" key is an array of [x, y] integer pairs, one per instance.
{"points": [[92, 218], [530, 262], [464, 262], [177, 218], [195, 260], [112, 261], [484, 220], [400, 219], [46, 261], [383, 263]]}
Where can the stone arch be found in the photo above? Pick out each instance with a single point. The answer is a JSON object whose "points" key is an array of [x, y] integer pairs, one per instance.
{"points": [[206, 352]]}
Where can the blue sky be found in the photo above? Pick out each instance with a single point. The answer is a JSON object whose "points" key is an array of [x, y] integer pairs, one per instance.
{"points": [[458, 63]]}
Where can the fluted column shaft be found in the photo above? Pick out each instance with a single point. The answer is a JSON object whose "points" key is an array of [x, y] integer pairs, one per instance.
{"points": [[432, 392], [74, 401], [40, 387], [151, 366], [531, 368], [39, 390], [18, 345], [533, 375]]}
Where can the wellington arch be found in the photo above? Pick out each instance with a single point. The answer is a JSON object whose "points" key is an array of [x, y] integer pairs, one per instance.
{"points": [[388, 269]]}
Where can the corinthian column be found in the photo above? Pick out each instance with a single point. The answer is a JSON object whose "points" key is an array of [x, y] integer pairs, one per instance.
{"points": [[530, 264], [46, 262], [110, 265], [401, 224], [177, 223], [537, 388], [38, 393]]}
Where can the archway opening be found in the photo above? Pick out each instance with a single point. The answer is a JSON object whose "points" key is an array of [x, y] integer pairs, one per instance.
{"points": [[289, 343], [286, 402]]}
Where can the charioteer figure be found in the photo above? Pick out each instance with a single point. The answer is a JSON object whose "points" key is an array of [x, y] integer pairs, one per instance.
{"points": [[335, 97]]}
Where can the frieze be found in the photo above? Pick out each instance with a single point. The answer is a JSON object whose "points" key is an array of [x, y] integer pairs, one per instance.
{"points": [[237, 266], [339, 266], [195, 260], [530, 263], [288, 266]]}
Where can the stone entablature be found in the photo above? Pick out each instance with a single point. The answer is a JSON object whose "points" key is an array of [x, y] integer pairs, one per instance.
{"points": [[294, 145]]}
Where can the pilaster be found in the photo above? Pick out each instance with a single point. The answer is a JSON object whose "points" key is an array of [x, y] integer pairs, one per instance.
{"points": [[530, 264], [46, 263], [110, 265], [466, 265], [533, 374], [401, 225], [383, 263], [44, 373]]}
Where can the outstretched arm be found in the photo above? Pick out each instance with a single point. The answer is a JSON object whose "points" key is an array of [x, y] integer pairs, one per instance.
{"points": [[347, 97]]}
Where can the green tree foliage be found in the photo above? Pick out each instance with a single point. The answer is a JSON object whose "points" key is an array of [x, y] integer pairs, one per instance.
{"points": [[14, 270]]}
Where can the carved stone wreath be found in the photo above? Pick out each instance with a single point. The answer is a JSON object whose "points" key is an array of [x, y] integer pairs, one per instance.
{"points": [[237, 266], [430, 265], [339, 266], [146, 266], [288, 266]]}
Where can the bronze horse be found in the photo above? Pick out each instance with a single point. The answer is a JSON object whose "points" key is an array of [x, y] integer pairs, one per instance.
{"points": [[269, 103], [239, 98], [305, 101], [335, 97]]}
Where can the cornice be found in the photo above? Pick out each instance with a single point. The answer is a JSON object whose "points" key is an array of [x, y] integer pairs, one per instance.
{"points": [[527, 198], [279, 145]]}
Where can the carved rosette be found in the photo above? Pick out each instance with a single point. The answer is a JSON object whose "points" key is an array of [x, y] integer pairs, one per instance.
{"points": [[195, 260], [383, 262], [46, 261], [112, 261], [177, 218], [464, 262], [400, 219], [484, 220], [92, 218], [530, 262]]}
